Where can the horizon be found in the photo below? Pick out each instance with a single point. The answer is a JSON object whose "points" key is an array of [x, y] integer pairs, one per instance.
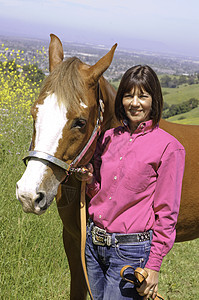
{"points": [[163, 27]]}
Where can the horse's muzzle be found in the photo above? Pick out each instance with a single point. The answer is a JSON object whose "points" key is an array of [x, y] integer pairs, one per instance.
{"points": [[32, 203]]}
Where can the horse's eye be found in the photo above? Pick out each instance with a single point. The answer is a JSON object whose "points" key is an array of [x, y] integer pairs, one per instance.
{"points": [[79, 123]]}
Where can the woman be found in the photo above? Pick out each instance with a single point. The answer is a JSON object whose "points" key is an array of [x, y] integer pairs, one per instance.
{"points": [[135, 191]]}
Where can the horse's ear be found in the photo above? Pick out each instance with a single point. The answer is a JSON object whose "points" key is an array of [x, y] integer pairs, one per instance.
{"points": [[101, 66], [56, 53]]}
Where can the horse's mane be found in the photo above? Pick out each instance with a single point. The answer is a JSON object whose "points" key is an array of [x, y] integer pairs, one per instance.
{"points": [[66, 82]]}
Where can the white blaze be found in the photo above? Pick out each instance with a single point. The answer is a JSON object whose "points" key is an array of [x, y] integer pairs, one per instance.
{"points": [[51, 119]]}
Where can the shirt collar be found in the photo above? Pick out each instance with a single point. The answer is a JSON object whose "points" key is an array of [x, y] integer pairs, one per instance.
{"points": [[143, 127]]}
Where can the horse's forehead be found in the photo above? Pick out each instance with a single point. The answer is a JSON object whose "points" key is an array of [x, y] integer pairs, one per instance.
{"points": [[75, 95], [37, 103], [84, 67], [51, 117], [84, 72], [50, 105]]}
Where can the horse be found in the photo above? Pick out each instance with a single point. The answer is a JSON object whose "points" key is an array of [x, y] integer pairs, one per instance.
{"points": [[66, 115], [187, 227]]}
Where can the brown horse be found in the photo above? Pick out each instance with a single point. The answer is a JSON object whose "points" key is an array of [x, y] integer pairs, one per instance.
{"points": [[188, 220], [64, 117]]}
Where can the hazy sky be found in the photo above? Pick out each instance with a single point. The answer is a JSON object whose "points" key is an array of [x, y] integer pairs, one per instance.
{"points": [[166, 25]]}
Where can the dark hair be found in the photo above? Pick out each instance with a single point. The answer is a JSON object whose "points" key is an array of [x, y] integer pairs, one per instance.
{"points": [[143, 78]]}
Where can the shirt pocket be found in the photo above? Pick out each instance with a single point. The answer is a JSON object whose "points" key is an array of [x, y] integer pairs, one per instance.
{"points": [[138, 177]]}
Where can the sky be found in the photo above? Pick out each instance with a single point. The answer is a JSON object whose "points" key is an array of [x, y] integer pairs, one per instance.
{"points": [[170, 26]]}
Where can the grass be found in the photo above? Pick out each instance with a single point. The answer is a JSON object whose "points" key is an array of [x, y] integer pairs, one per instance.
{"points": [[189, 118], [178, 275], [33, 264], [180, 94]]}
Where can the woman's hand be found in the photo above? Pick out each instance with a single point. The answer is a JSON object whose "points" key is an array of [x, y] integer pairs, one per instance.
{"points": [[85, 174], [149, 287]]}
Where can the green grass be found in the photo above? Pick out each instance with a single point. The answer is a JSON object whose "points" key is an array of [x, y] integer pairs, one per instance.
{"points": [[33, 264], [189, 118], [180, 94], [179, 272]]}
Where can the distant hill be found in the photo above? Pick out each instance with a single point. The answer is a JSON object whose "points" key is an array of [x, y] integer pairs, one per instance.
{"points": [[189, 118], [181, 93]]}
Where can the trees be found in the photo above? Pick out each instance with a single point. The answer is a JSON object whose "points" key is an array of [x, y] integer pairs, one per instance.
{"points": [[173, 82], [176, 109]]}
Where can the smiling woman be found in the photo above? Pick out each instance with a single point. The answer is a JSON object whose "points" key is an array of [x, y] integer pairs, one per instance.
{"points": [[139, 96], [137, 105], [130, 205]]}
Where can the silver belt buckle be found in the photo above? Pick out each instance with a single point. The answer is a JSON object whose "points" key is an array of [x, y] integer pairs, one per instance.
{"points": [[100, 237]]}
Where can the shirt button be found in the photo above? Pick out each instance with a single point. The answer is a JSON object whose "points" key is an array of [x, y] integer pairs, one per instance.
{"points": [[130, 140], [121, 158], [115, 177], [100, 216], [142, 126], [110, 198]]}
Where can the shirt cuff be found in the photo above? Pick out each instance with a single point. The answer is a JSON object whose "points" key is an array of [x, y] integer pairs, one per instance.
{"points": [[92, 189], [154, 263]]}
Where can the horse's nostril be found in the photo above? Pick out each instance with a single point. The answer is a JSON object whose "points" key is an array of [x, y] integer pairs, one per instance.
{"points": [[41, 201]]}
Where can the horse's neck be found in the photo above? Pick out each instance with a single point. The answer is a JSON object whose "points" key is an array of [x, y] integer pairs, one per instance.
{"points": [[108, 96]]}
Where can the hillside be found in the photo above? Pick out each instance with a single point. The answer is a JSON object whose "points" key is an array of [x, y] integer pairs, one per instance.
{"points": [[189, 118], [178, 95], [181, 93]]}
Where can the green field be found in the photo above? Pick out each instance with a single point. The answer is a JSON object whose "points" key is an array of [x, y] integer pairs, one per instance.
{"points": [[189, 118], [33, 264], [181, 93]]}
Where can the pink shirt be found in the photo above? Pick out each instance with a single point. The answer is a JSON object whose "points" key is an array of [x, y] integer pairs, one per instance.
{"points": [[137, 186]]}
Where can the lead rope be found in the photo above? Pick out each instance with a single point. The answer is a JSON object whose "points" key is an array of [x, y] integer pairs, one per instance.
{"points": [[83, 233], [83, 209]]}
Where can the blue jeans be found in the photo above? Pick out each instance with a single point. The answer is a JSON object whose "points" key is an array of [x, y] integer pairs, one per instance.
{"points": [[104, 264]]}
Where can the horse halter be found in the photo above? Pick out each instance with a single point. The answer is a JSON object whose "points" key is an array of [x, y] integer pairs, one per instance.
{"points": [[70, 168]]}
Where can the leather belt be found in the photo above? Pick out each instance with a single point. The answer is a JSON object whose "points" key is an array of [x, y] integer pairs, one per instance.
{"points": [[101, 238]]}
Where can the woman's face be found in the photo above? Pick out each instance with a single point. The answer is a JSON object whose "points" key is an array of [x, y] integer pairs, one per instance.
{"points": [[137, 105]]}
